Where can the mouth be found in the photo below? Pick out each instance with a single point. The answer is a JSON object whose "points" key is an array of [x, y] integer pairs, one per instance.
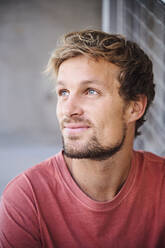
{"points": [[75, 128]]}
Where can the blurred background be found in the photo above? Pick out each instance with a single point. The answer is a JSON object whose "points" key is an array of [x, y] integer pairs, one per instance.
{"points": [[28, 33]]}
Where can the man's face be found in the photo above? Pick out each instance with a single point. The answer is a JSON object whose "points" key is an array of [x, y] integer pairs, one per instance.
{"points": [[90, 111]]}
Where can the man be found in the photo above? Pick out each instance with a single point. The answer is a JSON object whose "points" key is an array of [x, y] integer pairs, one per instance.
{"points": [[97, 192]]}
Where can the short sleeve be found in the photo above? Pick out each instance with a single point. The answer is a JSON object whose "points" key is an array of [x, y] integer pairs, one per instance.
{"points": [[19, 221]]}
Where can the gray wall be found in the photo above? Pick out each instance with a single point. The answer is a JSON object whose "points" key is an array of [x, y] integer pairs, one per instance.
{"points": [[144, 22], [28, 33]]}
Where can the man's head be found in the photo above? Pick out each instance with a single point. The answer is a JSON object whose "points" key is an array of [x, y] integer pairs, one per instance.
{"points": [[135, 77]]}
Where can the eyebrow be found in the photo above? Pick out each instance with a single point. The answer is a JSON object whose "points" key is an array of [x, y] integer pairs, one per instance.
{"points": [[84, 82]]}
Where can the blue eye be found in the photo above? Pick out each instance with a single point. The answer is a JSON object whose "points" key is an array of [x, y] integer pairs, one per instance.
{"points": [[63, 93], [92, 92]]}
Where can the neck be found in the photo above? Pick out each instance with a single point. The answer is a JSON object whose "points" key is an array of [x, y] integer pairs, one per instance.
{"points": [[101, 180]]}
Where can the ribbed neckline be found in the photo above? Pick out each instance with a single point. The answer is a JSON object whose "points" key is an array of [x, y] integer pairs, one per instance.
{"points": [[87, 201]]}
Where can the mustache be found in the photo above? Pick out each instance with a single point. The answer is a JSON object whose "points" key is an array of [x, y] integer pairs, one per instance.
{"points": [[75, 119]]}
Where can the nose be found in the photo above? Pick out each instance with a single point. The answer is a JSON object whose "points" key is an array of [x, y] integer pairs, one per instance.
{"points": [[72, 106]]}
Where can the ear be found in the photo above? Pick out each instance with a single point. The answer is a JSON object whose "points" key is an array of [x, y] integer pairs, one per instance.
{"points": [[136, 108]]}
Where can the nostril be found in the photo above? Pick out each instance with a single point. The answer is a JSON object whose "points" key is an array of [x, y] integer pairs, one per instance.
{"points": [[73, 109]]}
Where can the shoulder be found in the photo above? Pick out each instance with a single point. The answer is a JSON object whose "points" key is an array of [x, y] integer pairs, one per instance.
{"points": [[149, 158], [23, 201], [36, 177], [150, 165], [27, 193]]}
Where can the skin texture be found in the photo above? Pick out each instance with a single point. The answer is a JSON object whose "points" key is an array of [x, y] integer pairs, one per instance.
{"points": [[94, 119]]}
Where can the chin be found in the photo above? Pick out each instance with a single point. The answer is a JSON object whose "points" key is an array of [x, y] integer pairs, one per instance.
{"points": [[92, 149]]}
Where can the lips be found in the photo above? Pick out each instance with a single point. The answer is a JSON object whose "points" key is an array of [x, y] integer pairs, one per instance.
{"points": [[74, 128]]}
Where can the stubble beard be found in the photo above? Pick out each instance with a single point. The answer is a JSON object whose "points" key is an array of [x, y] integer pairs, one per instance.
{"points": [[93, 149]]}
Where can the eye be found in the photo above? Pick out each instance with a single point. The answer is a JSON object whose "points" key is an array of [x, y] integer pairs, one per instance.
{"points": [[63, 92], [91, 91]]}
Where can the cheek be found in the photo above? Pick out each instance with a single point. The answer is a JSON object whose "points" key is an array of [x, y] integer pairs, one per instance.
{"points": [[111, 122]]}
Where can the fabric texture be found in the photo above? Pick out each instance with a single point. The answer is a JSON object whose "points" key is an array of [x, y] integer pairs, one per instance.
{"points": [[44, 207]]}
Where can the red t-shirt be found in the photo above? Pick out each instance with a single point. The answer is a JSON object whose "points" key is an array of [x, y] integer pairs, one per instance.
{"points": [[44, 207]]}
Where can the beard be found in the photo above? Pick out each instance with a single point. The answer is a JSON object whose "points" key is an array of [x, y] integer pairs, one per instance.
{"points": [[93, 149]]}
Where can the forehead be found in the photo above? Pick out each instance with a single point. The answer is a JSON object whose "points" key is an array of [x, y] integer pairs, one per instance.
{"points": [[82, 68]]}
